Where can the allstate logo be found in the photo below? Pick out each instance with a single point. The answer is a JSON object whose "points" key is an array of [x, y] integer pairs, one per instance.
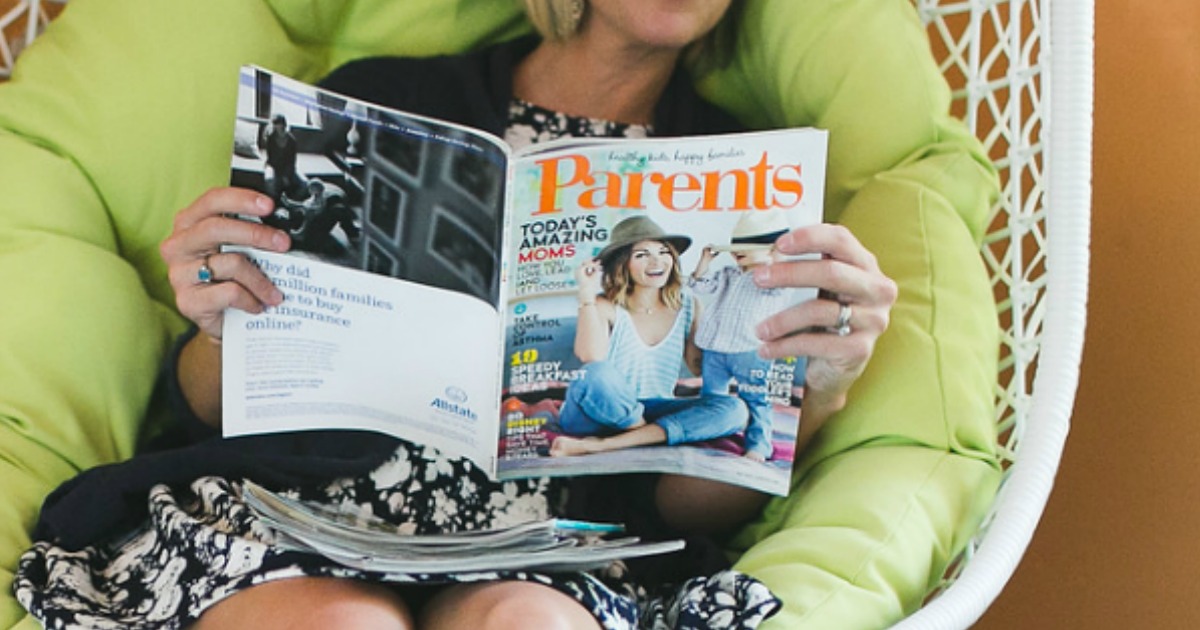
{"points": [[455, 403], [456, 394]]}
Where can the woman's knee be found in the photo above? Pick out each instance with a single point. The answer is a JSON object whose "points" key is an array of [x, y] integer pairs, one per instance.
{"points": [[600, 403], [505, 606], [310, 602]]}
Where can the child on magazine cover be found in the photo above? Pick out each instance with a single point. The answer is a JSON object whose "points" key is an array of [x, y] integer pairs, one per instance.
{"points": [[727, 336]]}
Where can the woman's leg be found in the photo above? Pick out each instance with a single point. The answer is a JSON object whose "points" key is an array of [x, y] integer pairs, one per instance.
{"points": [[671, 421], [644, 435], [692, 505], [310, 602], [686, 420], [505, 605], [599, 403]]}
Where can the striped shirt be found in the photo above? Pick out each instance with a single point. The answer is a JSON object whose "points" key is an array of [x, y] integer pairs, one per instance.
{"points": [[651, 369], [728, 324]]}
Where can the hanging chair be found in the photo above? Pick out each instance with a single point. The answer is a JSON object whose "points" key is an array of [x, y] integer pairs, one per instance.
{"points": [[1023, 73], [121, 113]]}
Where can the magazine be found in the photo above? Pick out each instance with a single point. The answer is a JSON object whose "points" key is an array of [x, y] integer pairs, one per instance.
{"points": [[365, 542], [438, 279]]}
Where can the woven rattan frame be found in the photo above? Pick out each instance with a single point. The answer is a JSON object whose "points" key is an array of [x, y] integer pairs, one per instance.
{"points": [[19, 26], [1022, 74]]}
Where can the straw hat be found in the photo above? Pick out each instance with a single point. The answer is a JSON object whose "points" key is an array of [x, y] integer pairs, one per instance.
{"points": [[639, 228], [757, 229]]}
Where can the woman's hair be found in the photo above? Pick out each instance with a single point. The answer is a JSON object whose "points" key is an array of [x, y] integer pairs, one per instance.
{"points": [[554, 19], [618, 284], [557, 20]]}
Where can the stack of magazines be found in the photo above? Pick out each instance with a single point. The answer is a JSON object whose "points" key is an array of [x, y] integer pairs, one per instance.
{"points": [[371, 544]]}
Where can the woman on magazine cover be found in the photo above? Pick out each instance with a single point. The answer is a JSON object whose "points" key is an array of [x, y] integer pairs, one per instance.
{"points": [[165, 541], [636, 326]]}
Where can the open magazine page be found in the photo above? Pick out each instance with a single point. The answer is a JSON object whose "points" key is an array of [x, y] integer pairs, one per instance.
{"points": [[392, 284], [575, 207]]}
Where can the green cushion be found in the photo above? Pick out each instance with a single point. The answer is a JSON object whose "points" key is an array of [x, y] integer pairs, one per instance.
{"points": [[122, 113]]}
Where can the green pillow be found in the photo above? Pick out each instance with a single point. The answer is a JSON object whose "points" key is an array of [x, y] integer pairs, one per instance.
{"points": [[121, 114], [895, 484]]}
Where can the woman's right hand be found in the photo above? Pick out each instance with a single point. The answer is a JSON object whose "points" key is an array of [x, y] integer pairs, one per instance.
{"points": [[587, 279], [199, 231]]}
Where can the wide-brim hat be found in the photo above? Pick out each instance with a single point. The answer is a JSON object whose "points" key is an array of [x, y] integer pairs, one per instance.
{"points": [[757, 229], [639, 228]]}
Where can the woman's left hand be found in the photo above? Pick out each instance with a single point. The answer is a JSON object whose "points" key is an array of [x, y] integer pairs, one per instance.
{"points": [[854, 293]]}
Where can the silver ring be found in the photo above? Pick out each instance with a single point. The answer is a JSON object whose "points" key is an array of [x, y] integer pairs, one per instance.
{"points": [[204, 275], [842, 327]]}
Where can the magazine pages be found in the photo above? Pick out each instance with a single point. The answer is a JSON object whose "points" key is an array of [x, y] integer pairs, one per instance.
{"points": [[371, 544], [390, 320], [543, 312]]}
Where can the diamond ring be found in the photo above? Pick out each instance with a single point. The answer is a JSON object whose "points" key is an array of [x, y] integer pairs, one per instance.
{"points": [[842, 327]]}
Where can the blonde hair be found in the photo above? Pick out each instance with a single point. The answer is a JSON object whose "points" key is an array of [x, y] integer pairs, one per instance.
{"points": [[557, 20], [618, 284], [554, 19]]}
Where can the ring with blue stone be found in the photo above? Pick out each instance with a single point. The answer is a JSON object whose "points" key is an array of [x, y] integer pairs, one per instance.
{"points": [[204, 274]]}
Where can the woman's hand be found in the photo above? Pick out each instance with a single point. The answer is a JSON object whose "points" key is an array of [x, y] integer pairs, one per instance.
{"points": [[588, 280], [233, 281], [851, 284]]}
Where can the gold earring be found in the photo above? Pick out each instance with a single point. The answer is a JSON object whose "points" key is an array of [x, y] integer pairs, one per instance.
{"points": [[575, 14]]}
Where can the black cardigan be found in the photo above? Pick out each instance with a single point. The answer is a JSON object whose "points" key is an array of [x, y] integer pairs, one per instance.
{"points": [[472, 89]]}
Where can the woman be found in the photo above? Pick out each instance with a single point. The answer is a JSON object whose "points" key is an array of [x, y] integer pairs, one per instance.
{"points": [[199, 559], [632, 336]]}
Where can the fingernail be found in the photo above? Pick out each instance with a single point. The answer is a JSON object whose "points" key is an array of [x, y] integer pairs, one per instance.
{"points": [[279, 241], [276, 297], [785, 241], [265, 203], [762, 273], [762, 330]]}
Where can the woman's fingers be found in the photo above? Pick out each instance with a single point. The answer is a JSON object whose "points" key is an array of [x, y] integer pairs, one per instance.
{"points": [[207, 281], [206, 237], [837, 264], [223, 200], [229, 267], [811, 328], [205, 305], [234, 282], [822, 316], [850, 283], [831, 241]]}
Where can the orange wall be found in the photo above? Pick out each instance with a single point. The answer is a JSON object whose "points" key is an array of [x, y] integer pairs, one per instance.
{"points": [[1119, 545]]}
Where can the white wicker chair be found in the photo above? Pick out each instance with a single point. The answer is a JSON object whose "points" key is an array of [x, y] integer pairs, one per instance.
{"points": [[1022, 70]]}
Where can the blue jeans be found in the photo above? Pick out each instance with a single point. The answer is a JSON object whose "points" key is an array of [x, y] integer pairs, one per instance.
{"points": [[603, 403], [750, 372]]}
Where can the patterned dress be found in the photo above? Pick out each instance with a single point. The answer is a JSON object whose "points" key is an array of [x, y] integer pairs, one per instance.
{"points": [[201, 543]]}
